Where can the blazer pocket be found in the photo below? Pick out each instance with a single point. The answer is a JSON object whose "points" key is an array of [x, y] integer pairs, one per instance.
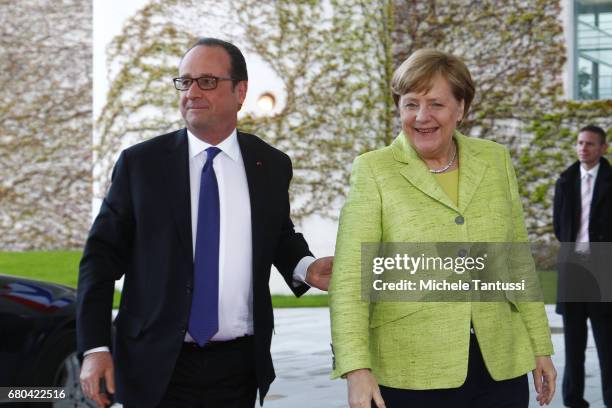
{"points": [[128, 325], [510, 298], [384, 313]]}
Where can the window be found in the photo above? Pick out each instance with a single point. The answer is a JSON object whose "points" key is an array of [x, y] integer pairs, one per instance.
{"points": [[593, 54]]}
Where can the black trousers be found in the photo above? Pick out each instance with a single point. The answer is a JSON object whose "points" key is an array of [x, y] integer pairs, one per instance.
{"points": [[575, 331], [478, 391], [219, 375]]}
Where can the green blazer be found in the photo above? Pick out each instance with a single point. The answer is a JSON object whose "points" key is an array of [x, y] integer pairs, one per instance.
{"points": [[424, 345]]}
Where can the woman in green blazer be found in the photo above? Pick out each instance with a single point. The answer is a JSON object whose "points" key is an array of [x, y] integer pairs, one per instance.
{"points": [[432, 184]]}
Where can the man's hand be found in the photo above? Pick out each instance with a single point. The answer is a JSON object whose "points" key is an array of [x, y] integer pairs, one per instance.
{"points": [[544, 377], [362, 389], [96, 366], [319, 272]]}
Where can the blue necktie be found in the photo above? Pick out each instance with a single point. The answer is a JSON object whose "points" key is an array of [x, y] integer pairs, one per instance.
{"points": [[204, 316]]}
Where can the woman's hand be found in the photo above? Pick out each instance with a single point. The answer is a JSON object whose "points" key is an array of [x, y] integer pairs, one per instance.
{"points": [[362, 389], [544, 378]]}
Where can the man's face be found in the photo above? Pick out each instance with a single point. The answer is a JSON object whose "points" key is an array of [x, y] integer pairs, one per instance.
{"points": [[590, 149], [210, 112]]}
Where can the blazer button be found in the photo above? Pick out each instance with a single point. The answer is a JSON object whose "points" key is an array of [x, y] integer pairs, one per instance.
{"points": [[188, 289], [459, 220]]}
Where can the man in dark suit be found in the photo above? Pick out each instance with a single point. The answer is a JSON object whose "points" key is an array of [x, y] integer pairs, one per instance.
{"points": [[583, 224], [193, 220]]}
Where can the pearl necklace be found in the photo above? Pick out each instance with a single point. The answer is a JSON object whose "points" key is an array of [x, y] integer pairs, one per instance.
{"points": [[450, 163]]}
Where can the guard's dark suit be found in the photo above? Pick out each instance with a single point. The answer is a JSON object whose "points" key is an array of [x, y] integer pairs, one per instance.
{"points": [[580, 277]]}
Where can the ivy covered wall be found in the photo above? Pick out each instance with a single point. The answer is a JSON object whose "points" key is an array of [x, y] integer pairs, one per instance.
{"points": [[45, 123], [334, 59]]}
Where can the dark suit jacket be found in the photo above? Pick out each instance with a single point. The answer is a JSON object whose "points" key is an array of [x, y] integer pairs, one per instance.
{"points": [[567, 209], [143, 232]]}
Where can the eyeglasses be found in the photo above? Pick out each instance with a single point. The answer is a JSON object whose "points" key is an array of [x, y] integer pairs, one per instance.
{"points": [[205, 83]]}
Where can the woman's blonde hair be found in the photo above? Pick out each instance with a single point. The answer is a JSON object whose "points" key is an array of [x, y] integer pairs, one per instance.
{"points": [[418, 72]]}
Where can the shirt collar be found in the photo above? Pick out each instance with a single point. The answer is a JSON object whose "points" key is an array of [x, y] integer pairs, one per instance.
{"points": [[593, 172], [229, 145]]}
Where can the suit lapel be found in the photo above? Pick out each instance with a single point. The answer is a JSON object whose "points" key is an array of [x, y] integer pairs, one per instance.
{"points": [[576, 195], [416, 173], [254, 166], [420, 178], [603, 183], [471, 171], [177, 187]]}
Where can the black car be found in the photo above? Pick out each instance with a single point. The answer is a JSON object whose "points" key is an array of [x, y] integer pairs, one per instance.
{"points": [[38, 339]]}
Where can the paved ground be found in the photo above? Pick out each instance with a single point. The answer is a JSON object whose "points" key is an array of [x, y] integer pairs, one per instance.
{"points": [[302, 358]]}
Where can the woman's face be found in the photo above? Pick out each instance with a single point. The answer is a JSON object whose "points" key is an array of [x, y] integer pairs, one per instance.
{"points": [[429, 119]]}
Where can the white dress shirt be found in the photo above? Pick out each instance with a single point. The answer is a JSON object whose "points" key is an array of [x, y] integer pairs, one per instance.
{"points": [[235, 238], [582, 238]]}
